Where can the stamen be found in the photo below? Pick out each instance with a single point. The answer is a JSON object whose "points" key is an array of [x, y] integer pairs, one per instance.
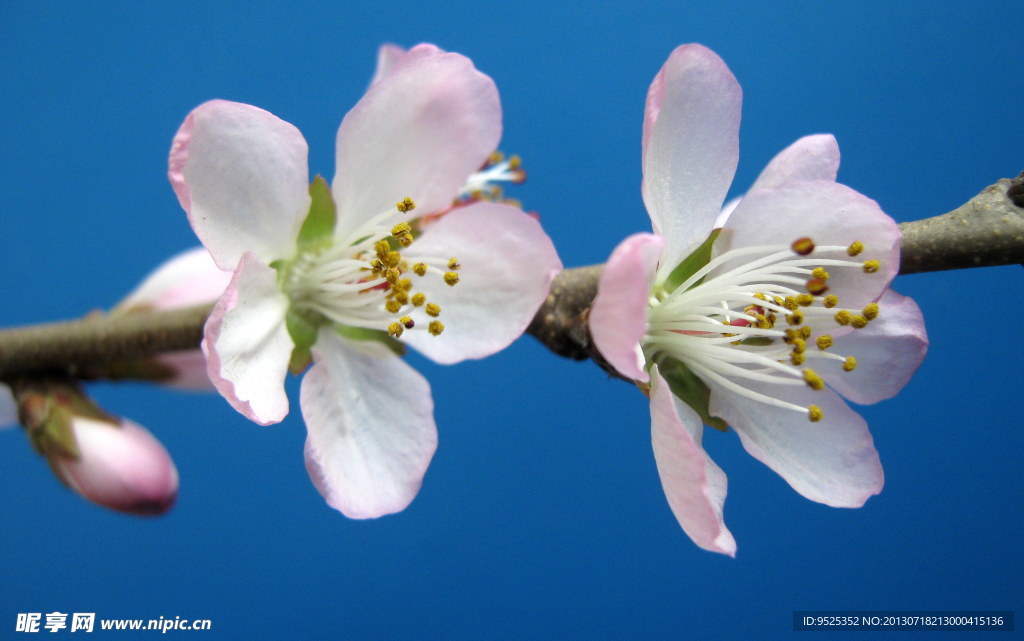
{"points": [[406, 205], [453, 264], [435, 328], [813, 380], [814, 413], [849, 364], [817, 286], [393, 306], [820, 273], [830, 301], [802, 246], [451, 278], [824, 342], [871, 266], [433, 309], [420, 269], [418, 299], [855, 248], [858, 322], [843, 317], [407, 322], [395, 329], [870, 311]]}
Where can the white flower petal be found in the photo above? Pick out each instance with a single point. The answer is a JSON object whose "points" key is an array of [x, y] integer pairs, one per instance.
{"points": [[813, 157], [241, 174], [888, 352], [829, 214], [618, 316], [247, 345], [507, 264], [371, 427], [419, 132], [832, 461], [694, 486], [692, 148], [190, 278]]}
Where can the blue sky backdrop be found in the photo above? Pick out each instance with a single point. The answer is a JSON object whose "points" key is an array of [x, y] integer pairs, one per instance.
{"points": [[541, 515]]}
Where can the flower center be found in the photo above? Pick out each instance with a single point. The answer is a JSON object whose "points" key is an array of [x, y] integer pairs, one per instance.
{"points": [[761, 320], [363, 280]]}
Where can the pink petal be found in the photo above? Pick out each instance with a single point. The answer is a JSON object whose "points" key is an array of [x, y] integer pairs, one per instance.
{"points": [[190, 370], [694, 486], [8, 408], [122, 467], [618, 316], [190, 278], [832, 461], [387, 56], [242, 177], [692, 146], [419, 133], [809, 158], [390, 57], [829, 214], [371, 427], [507, 264], [888, 352], [247, 345]]}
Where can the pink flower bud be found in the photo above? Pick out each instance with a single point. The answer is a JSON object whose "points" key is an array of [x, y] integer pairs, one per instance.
{"points": [[120, 466]]}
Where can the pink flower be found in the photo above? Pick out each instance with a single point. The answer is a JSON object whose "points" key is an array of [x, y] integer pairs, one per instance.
{"points": [[120, 466], [339, 275], [761, 324], [190, 278]]}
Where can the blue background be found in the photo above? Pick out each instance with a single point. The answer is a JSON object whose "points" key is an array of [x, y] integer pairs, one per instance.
{"points": [[541, 515]]}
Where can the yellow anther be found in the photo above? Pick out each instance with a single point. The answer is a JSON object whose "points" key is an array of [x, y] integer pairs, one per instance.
{"points": [[419, 298], [870, 311], [843, 317], [401, 229], [451, 278], [797, 359], [805, 300], [495, 158], [849, 364], [391, 259], [433, 309], [790, 303], [790, 335], [813, 380], [515, 162], [779, 300], [871, 266], [824, 341], [406, 205], [376, 265], [802, 246], [453, 263], [799, 345], [820, 273], [817, 286], [760, 296], [392, 274], [393, 306], [830, 301], [805, 332], [858, 322], [855, 248], [435, 327], [400, 296], [814, 413], [404, 285], [765, 322], [405, 240], [420, 269], [407, 321], [382, 247], [395, 329], [796, 318]]}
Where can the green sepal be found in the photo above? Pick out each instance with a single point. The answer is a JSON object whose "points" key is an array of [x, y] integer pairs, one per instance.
{"points": [[688, 388], [303, 332], [689, 265], [377, 335], [318, 229]]}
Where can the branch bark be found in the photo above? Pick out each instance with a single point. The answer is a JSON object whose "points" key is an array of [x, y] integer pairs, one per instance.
{"points": [[987, 230]]}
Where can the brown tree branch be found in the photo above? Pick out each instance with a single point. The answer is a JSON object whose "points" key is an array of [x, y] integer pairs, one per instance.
{"points": [[988, 230]]}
